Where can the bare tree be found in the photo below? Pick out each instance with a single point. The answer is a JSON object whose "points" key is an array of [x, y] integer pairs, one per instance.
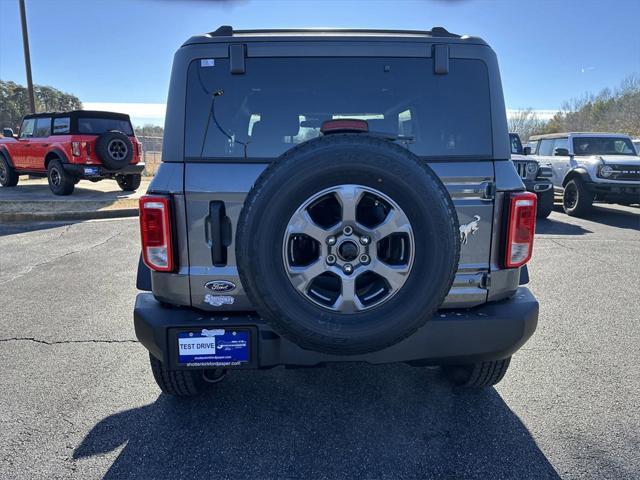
{"points": [[525, 123]]}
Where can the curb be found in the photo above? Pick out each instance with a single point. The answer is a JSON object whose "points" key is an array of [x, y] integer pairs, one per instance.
{"points": [[23, 217]]}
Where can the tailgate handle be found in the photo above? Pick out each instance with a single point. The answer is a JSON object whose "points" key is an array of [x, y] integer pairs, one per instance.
{"points": [[219, 230]]}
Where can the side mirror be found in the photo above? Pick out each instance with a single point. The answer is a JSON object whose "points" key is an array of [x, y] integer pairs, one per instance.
{"points": [[526, 150], [561, 152], [7, 132]]}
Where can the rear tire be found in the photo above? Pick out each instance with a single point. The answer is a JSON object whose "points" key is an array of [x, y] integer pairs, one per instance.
{"points": [[576, 199], [60, 182], [8, 175], [477, 375], [129, 183], [545, 204], [180, 383]]}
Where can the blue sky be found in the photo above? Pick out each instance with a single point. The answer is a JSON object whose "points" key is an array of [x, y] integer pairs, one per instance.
{"points": [[120, 51]]}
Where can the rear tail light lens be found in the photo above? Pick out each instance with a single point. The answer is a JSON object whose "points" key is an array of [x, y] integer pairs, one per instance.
{"points": [[521, 228], [155, 230], [75, 149], [139, 150], [344, 125]]}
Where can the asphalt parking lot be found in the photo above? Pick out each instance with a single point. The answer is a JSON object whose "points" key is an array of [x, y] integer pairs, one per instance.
{"points": [[78, 401]]}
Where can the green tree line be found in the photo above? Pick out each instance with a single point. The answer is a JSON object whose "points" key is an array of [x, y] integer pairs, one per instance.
{"points": [[14, 102]]}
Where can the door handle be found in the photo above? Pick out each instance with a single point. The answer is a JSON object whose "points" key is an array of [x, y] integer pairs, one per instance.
{"points": [[219, 233], [44, 144]]}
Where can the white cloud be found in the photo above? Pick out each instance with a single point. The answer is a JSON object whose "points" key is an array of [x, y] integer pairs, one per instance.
{"points": [[541, 114], [142, 110]]}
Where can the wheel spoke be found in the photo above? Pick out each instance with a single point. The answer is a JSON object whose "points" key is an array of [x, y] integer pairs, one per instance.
{"points": [[395, 275], [302, 223], [396, 222], [348, 301], [301, 277], [349, 196]]}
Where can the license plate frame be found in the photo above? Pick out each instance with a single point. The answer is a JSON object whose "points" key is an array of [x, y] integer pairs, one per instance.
{"points": [[235, 347]]}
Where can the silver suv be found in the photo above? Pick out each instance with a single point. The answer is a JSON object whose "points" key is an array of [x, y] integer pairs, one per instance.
{"points": [[588, 167], [332, 196]]}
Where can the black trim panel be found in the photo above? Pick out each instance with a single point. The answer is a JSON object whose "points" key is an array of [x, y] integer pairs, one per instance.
{"points": [[492, 331]]}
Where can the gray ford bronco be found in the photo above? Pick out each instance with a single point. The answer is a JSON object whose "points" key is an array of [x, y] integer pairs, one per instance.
{"points": [[536, 177], [331, 196]]}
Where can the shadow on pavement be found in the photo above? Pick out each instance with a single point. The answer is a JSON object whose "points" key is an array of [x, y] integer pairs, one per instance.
{"points": [[554, 227], [15, 228], [614, 217], [344, 421]]}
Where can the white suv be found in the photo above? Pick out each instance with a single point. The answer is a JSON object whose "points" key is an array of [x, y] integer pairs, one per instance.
{"points": [[590, 166]]}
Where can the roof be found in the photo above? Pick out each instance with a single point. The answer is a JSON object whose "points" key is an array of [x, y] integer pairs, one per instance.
{"points": [[226, 33], [79, 113], [577, 134]]}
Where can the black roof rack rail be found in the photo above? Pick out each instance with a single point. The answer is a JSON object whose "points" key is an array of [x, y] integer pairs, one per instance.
{"points": [[228, 31]]}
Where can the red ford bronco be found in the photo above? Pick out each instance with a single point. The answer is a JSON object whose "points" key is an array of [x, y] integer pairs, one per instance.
{"points": [[70, 146]]}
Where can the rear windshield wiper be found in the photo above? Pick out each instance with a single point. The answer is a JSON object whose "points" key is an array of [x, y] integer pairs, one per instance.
{"points": [[393, 137]]}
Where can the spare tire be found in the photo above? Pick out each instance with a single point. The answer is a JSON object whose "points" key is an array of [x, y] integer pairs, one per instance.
{"points": [[114, 149], [347, 244]]}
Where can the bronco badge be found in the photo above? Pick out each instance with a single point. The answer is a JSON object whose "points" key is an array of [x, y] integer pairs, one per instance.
{"points": [[220, 286], [469, 229]]}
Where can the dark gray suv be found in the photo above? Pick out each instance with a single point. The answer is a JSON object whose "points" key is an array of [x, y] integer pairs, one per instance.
{"points": [[330, 196]]}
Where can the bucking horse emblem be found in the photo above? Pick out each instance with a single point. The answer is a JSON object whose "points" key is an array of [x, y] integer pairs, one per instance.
{"points": [[469, 229]]}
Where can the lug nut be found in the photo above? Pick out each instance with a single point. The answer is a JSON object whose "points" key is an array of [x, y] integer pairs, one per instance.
{"points": [[348, 269], [364, 258], [331, 259], [331, 241], [347, 230], [364, 240]]}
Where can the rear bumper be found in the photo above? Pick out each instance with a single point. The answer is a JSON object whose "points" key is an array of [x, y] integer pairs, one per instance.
{"points": [[98, 171], [490, 332]]}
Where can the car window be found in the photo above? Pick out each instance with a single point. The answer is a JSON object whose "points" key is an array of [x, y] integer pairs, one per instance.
{"points": [[602, 146], [561, 143], [61, 125], [516, 145], [27, 128], [546, 147], [43, 127], [98, 126], [533, 145], [280, 102]]}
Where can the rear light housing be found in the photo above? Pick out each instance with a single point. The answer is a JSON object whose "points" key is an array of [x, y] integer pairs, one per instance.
{"points": [[140, 152], [344, 126], [521, 228], [155, 232], [75, 149]]}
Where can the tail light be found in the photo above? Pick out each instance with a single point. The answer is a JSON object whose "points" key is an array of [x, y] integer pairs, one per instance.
{"points": [[344, 125], [521, 228], [140, 150], [75, 149], [155, 230]]}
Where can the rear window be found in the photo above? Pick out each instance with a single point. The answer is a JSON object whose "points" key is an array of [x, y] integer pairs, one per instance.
{"points": [[98, 126], [280, 102]]}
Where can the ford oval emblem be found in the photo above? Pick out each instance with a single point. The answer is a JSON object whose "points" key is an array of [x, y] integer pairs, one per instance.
{"points": [[221, 286]]}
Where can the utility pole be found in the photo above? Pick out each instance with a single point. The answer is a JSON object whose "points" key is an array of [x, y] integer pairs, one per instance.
{"points": [[27, 56]]}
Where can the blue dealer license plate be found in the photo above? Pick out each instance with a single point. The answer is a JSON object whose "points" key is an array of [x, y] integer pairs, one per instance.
{"points": [[217, 347]]}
